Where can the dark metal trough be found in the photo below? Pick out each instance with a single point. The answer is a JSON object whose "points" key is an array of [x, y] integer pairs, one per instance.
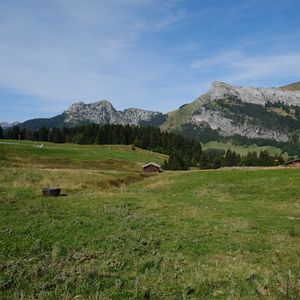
{"points": [[51, 192]]}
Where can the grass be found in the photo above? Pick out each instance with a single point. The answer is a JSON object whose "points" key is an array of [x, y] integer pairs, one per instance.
{"points": [[225, 234], [243, 150], [292, 87], [121, 157], [178, 117]]}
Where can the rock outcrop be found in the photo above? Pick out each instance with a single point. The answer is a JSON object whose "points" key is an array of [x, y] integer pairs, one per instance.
{"points": [[102, 112], [236, 110], [221, 90]]}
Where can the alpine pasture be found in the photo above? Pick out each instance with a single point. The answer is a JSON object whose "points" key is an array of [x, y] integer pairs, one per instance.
{"points": [[122, 234]]}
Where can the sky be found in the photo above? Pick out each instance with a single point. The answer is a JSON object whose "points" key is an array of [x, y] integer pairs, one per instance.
{"points": [[148, 54]]}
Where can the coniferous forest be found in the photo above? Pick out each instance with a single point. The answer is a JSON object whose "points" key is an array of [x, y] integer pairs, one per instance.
{"points": [[184, 153]]}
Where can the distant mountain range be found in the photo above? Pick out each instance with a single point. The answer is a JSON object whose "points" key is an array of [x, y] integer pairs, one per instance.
{"points": [[101, 112], [224, 111], [8, 125]]}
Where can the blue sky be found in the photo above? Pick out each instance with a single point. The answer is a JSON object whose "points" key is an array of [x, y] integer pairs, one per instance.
{"points": [[149, 54]]}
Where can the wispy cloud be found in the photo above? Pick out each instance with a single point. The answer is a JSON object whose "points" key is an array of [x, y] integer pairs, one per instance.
{"points": [[237, 66], [146, 53], [85, 48]]}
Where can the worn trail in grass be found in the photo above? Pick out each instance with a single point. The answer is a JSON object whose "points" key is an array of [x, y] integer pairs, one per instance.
{"points": [[178, 235]]}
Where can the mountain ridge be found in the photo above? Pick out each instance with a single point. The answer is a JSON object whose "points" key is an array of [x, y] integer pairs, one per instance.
{"points": [[100, 112], [225, 110]]}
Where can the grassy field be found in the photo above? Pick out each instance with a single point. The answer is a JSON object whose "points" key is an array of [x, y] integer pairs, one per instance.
{"points": [[105, 157], [119, 234], [242, 150]]}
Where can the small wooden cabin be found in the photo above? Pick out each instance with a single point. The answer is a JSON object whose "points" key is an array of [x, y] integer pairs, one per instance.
{"points": [[293, 163], [152, 168]]}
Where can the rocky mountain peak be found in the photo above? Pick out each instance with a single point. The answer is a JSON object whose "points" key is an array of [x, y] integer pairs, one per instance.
{"points": [[8, 125], [103, 112], [221, 90], [102, 103]]}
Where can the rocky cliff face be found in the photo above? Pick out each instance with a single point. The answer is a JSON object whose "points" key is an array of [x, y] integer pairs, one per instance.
{"points": [[267, 113], [221, 90], [216, 120], [103, 112]]}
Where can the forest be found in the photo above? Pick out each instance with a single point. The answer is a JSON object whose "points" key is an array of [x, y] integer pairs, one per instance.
{"points": [[184, 153]]}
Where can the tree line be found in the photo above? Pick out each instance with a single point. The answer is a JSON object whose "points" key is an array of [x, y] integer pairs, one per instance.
{"points": [[149, 138], [217, 158], [184, 153]]}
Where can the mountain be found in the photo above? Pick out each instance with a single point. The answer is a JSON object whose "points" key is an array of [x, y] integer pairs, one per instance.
{"points": [[101, 112], [6, 125], [291, 87], [226, 110]]}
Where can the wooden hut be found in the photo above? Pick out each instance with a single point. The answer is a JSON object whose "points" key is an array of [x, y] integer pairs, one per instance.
{"points": [[152, 168], [293, 163]]}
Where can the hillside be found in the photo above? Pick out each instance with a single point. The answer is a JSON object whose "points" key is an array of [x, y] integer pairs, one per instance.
{"points": [[72, 156], [123, 235], [265, 113], [291, 87]]}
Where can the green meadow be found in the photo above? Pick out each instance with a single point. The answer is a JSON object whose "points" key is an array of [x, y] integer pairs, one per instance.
{"points": [[242, 150], [121, 234]]}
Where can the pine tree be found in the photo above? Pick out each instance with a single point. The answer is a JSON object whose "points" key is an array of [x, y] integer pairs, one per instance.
{"points": [[205, 162], [176, 162], [218, 162], [15, 133], [196, 153], [229, 158], [250, 160], [57, 136], [43, 134], [144, 141], [265, 159]]}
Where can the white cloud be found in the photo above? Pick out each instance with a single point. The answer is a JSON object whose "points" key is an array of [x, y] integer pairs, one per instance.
{"points": [[65, 50], [236, 66], [126, 51]]}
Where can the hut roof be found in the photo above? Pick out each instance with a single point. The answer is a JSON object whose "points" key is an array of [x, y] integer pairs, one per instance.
{"points": [[292, 161], [151, 164]]}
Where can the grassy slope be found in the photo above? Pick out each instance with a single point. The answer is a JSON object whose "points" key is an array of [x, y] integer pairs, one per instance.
{"points": [[291, 87], [243, 150], [74, 156], [178, 117], [179, 235]]}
